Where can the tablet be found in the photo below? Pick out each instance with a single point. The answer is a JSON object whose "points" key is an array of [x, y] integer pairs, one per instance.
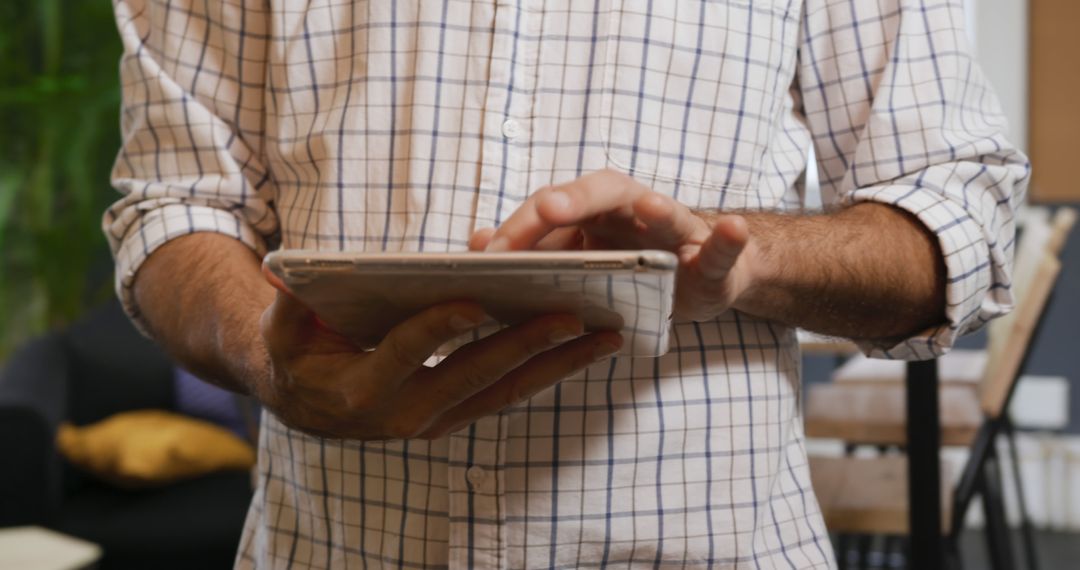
{"points": [[364, 295]]}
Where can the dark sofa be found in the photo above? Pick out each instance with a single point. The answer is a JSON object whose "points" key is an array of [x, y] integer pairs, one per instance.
{"points": [[96, 368]]}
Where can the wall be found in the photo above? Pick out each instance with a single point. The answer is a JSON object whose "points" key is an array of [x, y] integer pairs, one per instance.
{"points": [[1004, 59]]}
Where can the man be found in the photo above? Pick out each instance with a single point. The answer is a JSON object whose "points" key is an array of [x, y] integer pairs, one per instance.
{"points": [[420, 125]]}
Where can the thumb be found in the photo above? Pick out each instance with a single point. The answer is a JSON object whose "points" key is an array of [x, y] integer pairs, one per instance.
{"points": [[722, 248], [287, 324]]}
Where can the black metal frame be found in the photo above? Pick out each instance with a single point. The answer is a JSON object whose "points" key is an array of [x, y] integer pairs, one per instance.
{"points": [[982, 476], [928, 548], [924, 465], [1028, 529]]}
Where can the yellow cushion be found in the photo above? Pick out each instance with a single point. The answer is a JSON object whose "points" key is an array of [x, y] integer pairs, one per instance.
{"points": [[148, 447]]}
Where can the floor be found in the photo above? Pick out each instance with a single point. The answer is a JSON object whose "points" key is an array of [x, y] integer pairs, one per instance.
{"points": [[1055, 551]]}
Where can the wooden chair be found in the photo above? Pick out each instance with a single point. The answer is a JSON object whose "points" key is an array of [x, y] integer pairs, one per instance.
{"points": [[868, 496]]}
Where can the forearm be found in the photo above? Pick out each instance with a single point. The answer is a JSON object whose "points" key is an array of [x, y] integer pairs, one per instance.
{"points": [[868, 272], [202, 296]]}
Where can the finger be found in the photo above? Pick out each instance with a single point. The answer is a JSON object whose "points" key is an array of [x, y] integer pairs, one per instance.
{"points": [[480, 364], [365, 382], [523, 229], [602, 192], [405, 348], [566, 205], [480, 238], [537, 374], [560, 239], [296, 323], [670, 222], [288, 317], [721, 250]]}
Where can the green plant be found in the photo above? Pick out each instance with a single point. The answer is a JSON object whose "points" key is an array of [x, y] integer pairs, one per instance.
{"points": [[59, 103]]}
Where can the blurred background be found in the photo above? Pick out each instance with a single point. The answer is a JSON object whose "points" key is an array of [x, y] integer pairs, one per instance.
{"points": [[68, 357], [59, 103], [1029, 50], [123, 494]]}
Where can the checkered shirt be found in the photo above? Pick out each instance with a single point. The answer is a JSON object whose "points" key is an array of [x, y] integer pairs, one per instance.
{"points": [[382, 125]]}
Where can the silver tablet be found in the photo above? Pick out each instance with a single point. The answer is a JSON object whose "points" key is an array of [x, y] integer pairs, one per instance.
{"points": [[363, 295]]}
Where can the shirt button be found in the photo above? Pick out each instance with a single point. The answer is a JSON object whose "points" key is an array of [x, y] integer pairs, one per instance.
{"points": [[476, 475], [511, 129]]}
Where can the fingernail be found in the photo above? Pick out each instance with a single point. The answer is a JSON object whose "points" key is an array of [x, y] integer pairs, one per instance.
{"points": [[462, 323], [604, 350], [559, 200], [560, 336], [501, 243]]}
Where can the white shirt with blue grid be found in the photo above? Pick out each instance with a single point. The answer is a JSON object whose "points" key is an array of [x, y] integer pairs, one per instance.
{"points": [[405, 125]]}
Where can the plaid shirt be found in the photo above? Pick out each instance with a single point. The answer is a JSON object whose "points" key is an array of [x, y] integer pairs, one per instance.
{"points": [[405, 125]]}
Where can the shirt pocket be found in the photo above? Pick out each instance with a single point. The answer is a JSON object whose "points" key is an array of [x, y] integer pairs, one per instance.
{"points": [[691, 91]]}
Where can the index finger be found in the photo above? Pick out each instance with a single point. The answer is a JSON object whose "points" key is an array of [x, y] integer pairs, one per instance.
{"points": [[601, 192]]}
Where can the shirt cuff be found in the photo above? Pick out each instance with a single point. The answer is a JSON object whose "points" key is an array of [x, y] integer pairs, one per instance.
{"points": [[156, 222], [969, 265]]}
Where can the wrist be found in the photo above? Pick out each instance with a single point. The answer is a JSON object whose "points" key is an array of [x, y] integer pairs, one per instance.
{"points": [[240, 347]]}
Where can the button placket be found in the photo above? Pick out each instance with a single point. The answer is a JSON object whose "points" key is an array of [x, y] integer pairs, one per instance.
{"points": [[491, 148], [505, 158], [476, 461]]}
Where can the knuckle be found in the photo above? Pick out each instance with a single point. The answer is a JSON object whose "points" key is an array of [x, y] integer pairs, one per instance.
{"points": [[535, 344], [532, 340], [438, 329], [473, 375], [401, 355], [516, 394], [612, 176]]}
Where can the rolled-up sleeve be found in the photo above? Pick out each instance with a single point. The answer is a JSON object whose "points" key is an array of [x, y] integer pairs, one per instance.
{"points": [[901, 114], [192, 77]]}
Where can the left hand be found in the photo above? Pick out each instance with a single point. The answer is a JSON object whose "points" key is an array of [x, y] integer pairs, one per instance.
{"points": [[611, 210]]}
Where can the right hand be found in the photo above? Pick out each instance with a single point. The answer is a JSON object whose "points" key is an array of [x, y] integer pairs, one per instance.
{"points": [[324, 385]]}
